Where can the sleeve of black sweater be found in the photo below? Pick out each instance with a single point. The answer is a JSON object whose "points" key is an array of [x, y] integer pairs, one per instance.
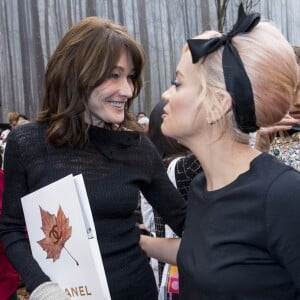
{"points": [[163, 196], [12, 226], [283, 223]]}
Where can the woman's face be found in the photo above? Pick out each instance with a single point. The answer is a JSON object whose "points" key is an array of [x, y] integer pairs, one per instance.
{"points": [[107, 101], [182, 108]]}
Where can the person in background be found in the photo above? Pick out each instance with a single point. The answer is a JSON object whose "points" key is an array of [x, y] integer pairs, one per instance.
{"points": [[170, 151], [3, 138], [22, 120], [241, 238], [140, 114], [9, 278], [144, 122], [295, 108], [13, 117], [85, 126], [283, 139], [12, 120]]}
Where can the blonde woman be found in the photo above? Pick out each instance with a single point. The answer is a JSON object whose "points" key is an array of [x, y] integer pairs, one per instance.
{"points": [[241, 239]]}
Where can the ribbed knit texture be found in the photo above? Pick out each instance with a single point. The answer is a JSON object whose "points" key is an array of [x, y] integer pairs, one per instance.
{"points": [[115, 166]]}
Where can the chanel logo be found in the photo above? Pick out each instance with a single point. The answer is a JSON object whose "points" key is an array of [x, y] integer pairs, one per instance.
{"points": [[54, 234]]}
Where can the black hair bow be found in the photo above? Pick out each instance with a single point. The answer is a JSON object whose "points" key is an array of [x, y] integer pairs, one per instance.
{"points": [[236, 78]]}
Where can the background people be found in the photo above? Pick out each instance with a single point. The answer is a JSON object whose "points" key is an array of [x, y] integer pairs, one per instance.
{"points": [[140, 115], [144, 122], [13, 117], [9, 278], [285, 137], [170, 151]]}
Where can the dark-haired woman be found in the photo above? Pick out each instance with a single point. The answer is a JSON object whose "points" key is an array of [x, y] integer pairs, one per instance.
{"points": [[85, 127]]}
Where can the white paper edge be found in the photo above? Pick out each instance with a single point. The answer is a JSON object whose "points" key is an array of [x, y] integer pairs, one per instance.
{"points": [[89, 222]]}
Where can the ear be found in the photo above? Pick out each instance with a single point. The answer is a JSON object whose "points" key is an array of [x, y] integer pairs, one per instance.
{"points": [[225, 102], [221, 108]]}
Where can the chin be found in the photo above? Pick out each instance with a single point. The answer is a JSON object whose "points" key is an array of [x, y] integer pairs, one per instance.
{"points": [[117, 120], [165, 130]]}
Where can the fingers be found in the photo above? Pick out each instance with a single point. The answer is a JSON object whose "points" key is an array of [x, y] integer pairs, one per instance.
{"points": [[274, 129], [287, 120], [296, 115]]}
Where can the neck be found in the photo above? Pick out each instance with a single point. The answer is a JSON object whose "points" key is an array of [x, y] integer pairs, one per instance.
{"points": [[222, 160]]}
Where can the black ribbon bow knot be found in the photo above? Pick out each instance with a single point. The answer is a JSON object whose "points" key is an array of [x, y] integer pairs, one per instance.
{"points": [[236, 78]]}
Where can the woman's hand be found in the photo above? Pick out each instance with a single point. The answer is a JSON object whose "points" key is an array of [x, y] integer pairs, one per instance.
{"points": [[49, 291], [265, 135]]}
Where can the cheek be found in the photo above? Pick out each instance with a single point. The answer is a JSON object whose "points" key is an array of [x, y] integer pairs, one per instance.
{"points": [[179, 107], [183, 109], [102, 91], [95, 95], [179, 120], [94, 103]]}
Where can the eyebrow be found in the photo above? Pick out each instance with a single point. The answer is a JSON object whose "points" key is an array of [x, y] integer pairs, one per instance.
{"points": [[118, 68], [122, 69]]}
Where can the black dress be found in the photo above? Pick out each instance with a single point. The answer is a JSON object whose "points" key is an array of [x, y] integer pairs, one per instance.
{"points": [[242, 242], [115, 166]]}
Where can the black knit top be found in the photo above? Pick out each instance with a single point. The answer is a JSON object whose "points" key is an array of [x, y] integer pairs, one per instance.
{"points": [[242, 242], [115, 165]]}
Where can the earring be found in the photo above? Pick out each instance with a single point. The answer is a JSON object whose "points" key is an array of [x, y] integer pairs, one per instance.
{"points": [[209, 121]]}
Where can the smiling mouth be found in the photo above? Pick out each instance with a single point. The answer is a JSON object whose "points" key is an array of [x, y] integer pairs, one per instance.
{"points": [[117, 104]]}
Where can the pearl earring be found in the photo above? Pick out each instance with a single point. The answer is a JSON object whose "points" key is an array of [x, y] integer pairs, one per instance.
{"points": [[209, 121]]}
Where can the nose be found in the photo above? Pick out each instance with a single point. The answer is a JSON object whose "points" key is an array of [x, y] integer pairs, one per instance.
{"points": [[165, 95], [126, 88]]}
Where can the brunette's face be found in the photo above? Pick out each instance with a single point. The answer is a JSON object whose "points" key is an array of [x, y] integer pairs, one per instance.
{"points": [[107, 101], [181, 117]]}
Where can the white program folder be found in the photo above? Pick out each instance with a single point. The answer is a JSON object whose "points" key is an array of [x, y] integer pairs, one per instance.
{"points": [[63, 239]]}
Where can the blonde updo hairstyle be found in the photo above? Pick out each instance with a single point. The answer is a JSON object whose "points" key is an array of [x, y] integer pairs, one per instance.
{"points": [[271, 66]]}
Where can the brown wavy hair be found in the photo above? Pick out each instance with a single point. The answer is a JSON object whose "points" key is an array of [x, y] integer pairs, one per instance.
{"points": [[84, 59]]}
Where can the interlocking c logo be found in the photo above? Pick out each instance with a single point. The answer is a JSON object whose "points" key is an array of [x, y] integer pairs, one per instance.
{"points": [[54, 233]]}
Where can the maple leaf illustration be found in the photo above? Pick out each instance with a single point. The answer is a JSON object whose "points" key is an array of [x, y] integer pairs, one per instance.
{"points": [[57, 231]]}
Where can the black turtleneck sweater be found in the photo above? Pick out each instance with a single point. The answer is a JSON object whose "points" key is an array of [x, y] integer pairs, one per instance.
{"points": [[115, 165]]}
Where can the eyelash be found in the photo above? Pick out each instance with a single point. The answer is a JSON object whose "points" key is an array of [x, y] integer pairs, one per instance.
{"points": [[116, 76], [176, 83]]}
